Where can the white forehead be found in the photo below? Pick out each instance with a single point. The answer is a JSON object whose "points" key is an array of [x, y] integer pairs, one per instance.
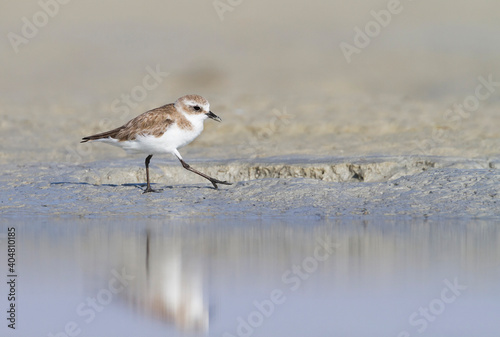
{"points": [[202, 104], [193, 100]]}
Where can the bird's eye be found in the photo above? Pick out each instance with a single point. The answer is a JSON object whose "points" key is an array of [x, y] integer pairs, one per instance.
{"points": [[197, 108]]}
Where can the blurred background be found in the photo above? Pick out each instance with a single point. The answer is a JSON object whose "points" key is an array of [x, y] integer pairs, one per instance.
{"points": [[274, 71]]}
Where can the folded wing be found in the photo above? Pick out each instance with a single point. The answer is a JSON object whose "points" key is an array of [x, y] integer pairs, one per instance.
{"points": [[153, 122]]}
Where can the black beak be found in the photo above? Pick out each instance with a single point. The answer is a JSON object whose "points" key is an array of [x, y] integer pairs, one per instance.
{"points": [[210, 114]]}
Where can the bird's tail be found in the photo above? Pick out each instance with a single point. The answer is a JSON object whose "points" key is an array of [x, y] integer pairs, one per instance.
{"points": [[107, 134]]}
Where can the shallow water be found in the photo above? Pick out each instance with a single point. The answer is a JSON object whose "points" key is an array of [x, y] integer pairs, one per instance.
{"points": [[351, 277]]}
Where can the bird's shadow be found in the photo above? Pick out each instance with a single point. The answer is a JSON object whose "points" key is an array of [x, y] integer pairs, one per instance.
{"points": [[141, 186]]}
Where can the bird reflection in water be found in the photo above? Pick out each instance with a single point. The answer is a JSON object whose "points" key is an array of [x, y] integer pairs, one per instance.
{"points": [[171, 288]]}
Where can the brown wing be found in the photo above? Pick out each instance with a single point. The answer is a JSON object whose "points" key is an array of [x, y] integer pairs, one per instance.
{"points": [[153, 122]]}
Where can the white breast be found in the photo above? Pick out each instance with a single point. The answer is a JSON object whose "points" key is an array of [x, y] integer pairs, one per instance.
{"points": [[169, 142], [172, 139]]}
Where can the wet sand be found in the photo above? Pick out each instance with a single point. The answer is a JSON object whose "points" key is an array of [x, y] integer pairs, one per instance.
{"points": [[402, 187]]}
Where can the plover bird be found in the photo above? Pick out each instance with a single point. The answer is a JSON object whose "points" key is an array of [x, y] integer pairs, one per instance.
{"points": [[162, 130]]}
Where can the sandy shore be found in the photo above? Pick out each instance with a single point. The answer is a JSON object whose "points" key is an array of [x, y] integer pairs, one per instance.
{"points": [[407, 125], [403, 187]]}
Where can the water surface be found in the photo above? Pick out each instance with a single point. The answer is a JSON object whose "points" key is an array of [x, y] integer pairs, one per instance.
{"points": [[352, 277]]}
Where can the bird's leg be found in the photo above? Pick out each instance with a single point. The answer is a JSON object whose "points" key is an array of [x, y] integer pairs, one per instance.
{"points": [[148, 187], [212, 180]]}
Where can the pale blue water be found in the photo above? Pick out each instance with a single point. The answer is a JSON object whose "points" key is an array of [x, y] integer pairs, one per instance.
{"points": [[348, 277]]}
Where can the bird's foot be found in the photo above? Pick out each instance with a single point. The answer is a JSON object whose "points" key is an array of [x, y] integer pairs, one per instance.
{"points": [[149, 189], [216, 181]]}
